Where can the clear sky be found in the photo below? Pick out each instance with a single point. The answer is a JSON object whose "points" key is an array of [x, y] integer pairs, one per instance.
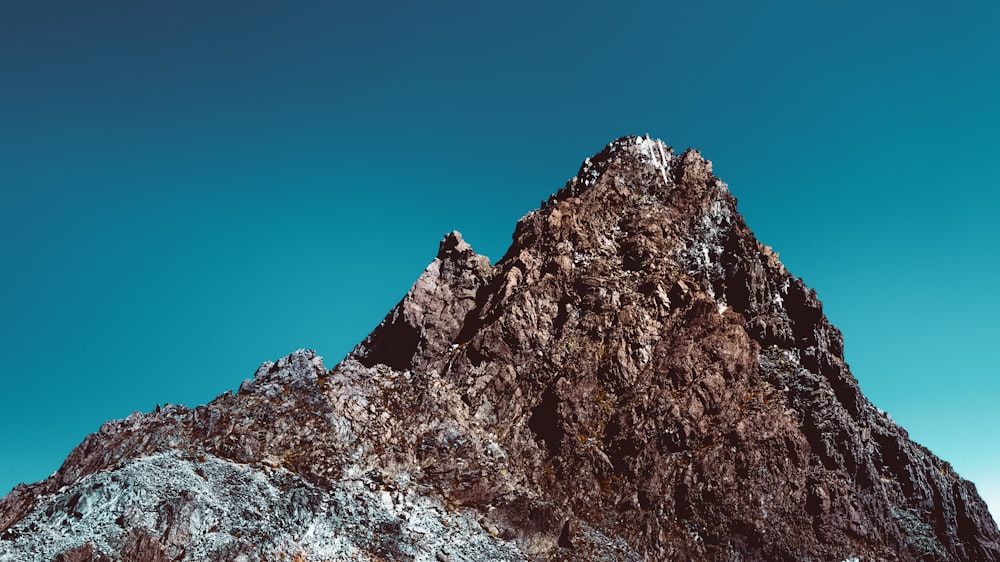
{"points": [[191, 188]]}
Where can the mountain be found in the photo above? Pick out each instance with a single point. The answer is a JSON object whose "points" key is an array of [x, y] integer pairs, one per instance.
{"points": [[638, 378]]}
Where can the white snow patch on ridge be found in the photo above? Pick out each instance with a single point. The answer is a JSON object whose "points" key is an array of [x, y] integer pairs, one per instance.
{"points": [[652, 153]]}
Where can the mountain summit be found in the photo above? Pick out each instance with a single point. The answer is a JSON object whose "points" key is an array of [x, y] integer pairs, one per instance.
{"points": [[638, 378]]}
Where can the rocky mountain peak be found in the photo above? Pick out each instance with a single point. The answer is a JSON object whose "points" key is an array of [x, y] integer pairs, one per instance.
{"points": [[638, 378]]}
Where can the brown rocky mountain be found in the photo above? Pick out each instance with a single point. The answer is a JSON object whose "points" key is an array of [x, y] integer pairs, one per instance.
{"points": [[637, 379]]}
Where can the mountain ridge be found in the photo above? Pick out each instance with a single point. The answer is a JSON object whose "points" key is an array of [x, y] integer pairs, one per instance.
{"points": [[637, 378]]}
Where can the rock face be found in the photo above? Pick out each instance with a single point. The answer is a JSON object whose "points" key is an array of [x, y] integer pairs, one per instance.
{"points": [[637, 379]]}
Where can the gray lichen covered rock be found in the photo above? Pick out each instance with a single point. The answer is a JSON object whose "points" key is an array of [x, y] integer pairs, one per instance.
{"points": [[638, 378]]}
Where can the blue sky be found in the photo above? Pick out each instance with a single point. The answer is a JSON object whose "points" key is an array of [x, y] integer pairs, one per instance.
{"points": [[192, 188]]}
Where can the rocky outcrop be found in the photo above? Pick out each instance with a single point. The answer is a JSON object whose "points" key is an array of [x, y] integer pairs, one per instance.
{"points": [[638, 378]]}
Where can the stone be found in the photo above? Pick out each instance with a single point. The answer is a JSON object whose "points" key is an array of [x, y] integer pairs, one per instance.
{"points": [[638, 378]]}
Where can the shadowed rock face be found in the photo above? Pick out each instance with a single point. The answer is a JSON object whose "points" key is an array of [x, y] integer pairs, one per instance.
{"points": [[637, 379]]}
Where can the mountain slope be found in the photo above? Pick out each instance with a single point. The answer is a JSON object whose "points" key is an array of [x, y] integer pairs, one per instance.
{"points": [[637, 379]]}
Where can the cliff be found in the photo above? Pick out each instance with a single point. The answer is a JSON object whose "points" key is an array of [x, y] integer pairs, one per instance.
{"points": [[638, 378]]}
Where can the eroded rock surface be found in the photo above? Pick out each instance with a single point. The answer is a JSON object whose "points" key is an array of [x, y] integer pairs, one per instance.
{"points": [[638, 378]]}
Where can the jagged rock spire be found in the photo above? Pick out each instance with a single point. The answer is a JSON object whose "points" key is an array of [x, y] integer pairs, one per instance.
{"points": [[638, 378]]}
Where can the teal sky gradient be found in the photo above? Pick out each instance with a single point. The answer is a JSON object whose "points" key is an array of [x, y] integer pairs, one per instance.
{"points": [[192, 188]]}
